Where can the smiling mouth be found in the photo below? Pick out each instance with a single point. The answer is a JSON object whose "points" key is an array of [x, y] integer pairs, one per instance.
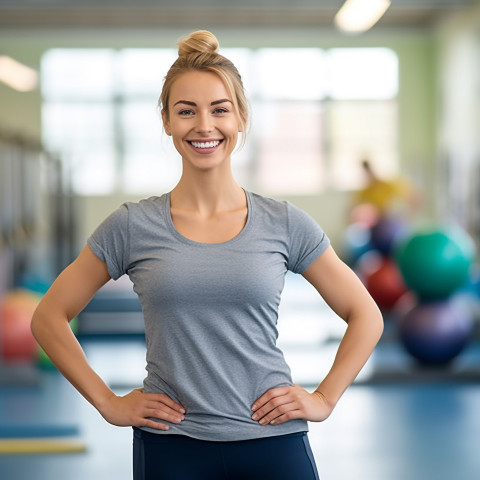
{"points": [[209, 144]]}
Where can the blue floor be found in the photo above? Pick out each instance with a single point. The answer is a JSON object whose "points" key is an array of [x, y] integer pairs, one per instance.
{"points": [[413, 429], [393, 432]]}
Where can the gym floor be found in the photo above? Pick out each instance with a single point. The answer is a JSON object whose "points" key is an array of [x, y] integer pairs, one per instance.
{"points": [[396, 422]]}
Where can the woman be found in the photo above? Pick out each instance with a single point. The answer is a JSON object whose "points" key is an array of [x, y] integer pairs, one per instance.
{"points": [[208, 262]]}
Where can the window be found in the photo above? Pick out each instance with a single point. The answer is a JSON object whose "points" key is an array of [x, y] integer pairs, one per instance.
{"points": [[315, 114]]}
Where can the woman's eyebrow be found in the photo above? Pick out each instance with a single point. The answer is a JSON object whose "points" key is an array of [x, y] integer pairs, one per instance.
{"points": [[193, 104], [186, 102], [223, 100]]}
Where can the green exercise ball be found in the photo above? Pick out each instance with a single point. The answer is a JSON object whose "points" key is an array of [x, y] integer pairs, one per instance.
{"points": [[435, 262]]}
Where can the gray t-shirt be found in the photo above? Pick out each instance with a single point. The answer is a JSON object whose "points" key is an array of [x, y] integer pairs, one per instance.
{"points": [[211, 310]]}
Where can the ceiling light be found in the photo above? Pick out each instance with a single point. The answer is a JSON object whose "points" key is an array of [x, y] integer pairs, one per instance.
{"points": [[360, 15], [16, 75]]}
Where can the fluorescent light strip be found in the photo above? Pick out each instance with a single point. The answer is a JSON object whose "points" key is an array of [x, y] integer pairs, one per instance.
{"points": [[360, 15], [16, 75]]}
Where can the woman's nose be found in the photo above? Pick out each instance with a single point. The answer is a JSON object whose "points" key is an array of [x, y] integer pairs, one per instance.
{"points": [[204, 123]]}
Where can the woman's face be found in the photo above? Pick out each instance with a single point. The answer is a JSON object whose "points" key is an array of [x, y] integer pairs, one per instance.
{"points": [[202, 120]]}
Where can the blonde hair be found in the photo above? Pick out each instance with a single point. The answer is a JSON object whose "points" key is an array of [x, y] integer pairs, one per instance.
{"points": [[199, 52]]}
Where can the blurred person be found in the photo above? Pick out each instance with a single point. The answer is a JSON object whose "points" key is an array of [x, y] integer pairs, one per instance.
{"points": [[208, 261], [385, 197]]}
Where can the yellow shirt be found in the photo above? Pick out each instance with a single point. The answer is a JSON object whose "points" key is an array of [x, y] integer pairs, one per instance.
{"points": [[384, 194]]}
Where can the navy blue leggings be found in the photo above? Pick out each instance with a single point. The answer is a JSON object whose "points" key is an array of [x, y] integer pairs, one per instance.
{"points": [[177, 457]]}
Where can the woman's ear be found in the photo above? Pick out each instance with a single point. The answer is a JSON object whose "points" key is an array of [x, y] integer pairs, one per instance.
{"points": [[166, 123]]}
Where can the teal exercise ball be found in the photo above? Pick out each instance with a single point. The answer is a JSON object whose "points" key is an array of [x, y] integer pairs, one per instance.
{"points": [[435, 262]]}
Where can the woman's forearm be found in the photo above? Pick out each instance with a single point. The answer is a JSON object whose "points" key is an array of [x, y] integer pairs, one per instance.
{"points": [[60, 344], [359, 340]]}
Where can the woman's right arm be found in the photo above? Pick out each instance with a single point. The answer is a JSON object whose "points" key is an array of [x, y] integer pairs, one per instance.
{"points": [[65, 299]]}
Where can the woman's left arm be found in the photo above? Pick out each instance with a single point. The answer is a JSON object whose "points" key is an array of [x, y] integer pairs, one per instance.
{"points": [[346, 295]]}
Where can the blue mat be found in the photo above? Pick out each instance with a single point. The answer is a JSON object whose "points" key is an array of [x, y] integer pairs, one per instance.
{"points": [[38, 431]]}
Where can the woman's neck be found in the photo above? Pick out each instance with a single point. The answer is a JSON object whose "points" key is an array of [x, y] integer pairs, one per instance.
{"points": [[207, 193]]}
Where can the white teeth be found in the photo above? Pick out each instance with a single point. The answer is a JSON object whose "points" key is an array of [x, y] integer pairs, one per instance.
{"points": [[206, 144]]}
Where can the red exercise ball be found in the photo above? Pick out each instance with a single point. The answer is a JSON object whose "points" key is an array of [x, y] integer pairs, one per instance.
{"points": [[17, 343], [382, 279]]}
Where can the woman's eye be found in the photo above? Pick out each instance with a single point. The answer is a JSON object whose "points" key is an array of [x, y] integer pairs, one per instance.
{"points": [[185, 113], [220, 110]]}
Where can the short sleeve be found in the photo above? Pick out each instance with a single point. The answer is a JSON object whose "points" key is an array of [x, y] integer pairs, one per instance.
{"points": [[110, 242], [307, 240]]}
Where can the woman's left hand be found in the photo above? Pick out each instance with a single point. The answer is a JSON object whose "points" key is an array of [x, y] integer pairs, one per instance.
{"points": [[282, 404]]}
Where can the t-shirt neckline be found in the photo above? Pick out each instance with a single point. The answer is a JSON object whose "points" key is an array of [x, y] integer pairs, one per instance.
{"points": [[184, 239]]}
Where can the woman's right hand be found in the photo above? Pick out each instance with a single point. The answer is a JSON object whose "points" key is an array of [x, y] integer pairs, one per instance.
{"points": [[138, 408]]}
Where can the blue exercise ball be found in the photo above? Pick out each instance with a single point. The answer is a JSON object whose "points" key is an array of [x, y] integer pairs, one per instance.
{"points": [[436, 332], [387, 232]]}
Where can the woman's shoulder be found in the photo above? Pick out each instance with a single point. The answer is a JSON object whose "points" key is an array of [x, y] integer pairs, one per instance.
{"points": [[146, 207], [134, 214], [268, 205], [282, 209], [284, 212], [147, 203]]}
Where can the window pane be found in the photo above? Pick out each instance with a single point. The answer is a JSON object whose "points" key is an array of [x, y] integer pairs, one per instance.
{"points": [[290, 73], [94, 170], [362, 73], [289, 147], [150, 162], [78, 74], [83, 135], [361, 130], [69, 127], [141, 71], [242, 59], [242, 162], [148, 171]]}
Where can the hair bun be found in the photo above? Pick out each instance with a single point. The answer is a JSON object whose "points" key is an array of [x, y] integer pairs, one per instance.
{"points": [[201, 41]]}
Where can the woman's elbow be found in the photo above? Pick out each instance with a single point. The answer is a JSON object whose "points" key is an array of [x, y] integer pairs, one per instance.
{"points": [[368, 317], [377, 322], [42, 322], [36, 323]]}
